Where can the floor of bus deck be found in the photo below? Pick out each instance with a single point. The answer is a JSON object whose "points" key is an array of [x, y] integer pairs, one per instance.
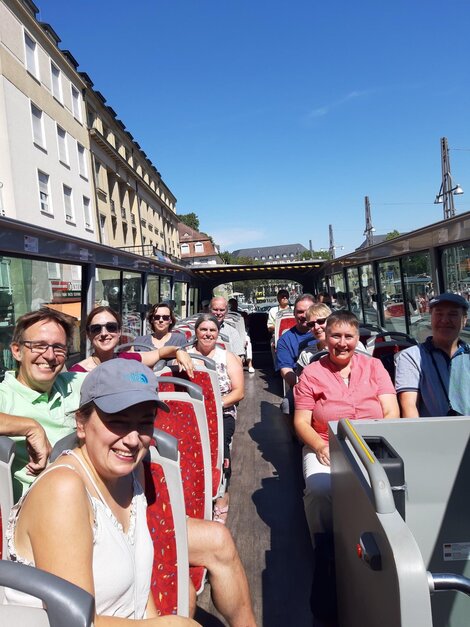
{"points": [[266, 514]]}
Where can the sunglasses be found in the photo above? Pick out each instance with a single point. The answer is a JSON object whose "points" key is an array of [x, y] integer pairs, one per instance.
{"points": [[319, 321], [111, 327], [164, 317]]}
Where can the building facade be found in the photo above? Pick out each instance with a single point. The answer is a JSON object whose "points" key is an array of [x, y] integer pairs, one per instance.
{"points": [[45, 172], [197, 248]]}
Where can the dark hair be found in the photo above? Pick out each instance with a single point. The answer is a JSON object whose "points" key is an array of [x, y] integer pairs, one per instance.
{"points": [[154, 308], [282, 292], [101, 309], [44, 314], [303, 297], [206, 317], [342, 317]]}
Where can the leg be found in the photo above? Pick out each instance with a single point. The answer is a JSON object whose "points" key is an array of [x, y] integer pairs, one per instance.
{"points": [[317, 495], [249, 355], [221, 504], [212, 546]]}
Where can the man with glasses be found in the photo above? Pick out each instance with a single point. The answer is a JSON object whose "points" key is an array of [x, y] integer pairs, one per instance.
{"points": [[432, 378], [35, 400]]}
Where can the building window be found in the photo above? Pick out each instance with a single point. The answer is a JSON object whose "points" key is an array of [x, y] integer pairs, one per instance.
{"points": [[198, 247], [82, 161], [77, 113], [104, 235], [31, 55], [91, 118], [56, 82], [43, 182], [38, 128], [87, 212], [68, 204], [62, 143], [185, 249]]}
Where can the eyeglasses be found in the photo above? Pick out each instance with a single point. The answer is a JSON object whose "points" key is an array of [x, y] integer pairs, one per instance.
{"points": [[111, 327], [39, 348], [319, 321], [164, 317]]}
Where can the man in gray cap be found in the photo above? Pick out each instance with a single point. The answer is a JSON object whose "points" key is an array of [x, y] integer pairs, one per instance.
{"points": [[432, 379]]}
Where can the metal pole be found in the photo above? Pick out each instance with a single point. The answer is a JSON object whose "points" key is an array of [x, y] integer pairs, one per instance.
{"points": [[369, 228], [447, 191], [331, 249]]}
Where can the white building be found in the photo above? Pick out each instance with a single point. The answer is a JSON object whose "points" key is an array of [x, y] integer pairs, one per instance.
{"points": [[45, 166]]}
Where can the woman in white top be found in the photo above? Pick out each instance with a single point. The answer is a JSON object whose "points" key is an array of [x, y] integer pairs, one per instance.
{"points": [[232, 389], [85, 517]]}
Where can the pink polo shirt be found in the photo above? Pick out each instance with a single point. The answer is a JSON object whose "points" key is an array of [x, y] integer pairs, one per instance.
{"points": [[322, 390]]}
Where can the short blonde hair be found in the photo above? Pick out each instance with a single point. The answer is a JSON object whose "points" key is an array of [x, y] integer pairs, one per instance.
{"points": [[318, 309]]}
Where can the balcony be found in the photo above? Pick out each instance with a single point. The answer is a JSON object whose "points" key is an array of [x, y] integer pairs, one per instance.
{"points": [[113, 208], [132, 218], [123, 214]]}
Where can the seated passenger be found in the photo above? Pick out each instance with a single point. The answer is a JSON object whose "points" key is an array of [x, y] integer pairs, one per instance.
{"points": [[219, 308], [103, 326], [162, 320], [233, 306], [432, 379], [283, 300], [316, 317], [293, 341], [341, 384], [84, 519], [231, 384]]}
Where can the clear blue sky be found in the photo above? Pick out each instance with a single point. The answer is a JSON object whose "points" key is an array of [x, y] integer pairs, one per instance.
{"points": [[271, 120]]}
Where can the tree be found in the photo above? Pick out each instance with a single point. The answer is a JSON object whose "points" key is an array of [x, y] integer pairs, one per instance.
{"points": [[392, 235], [315, 254], [190, 219]]}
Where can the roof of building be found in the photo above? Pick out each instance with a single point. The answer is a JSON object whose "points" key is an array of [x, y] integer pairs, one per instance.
{"points": [[376, 239], [265, 251], [187, 234]]}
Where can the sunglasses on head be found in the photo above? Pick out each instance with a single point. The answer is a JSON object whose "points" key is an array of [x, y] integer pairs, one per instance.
{"points": [[319, 321], [164, 317], [111, 327]]}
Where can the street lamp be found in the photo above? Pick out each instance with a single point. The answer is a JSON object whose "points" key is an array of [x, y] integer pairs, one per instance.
{"points": [[447, 190]]}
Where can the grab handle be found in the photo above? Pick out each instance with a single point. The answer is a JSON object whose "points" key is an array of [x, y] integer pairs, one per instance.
{"points": [[381, 490]]}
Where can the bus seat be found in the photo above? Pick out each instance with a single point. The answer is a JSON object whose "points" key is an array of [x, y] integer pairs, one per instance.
{"points": [[387, 350], [66, 604], [166, 519], [282, 324]]}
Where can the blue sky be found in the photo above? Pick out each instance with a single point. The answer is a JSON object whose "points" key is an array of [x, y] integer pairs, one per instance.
{"points": [[271, 120]]}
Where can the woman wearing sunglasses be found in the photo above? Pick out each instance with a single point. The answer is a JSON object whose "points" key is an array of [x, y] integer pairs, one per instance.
{"points": [[103, 328], [316, 316], [161, 319]]}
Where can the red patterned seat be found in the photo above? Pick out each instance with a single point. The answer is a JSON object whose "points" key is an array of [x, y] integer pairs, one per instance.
{"points": [[166, 520], [282, 325]]}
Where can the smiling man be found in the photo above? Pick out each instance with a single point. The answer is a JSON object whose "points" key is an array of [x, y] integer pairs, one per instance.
{"points": [[35, 400], [219, 308], [432, 379]]}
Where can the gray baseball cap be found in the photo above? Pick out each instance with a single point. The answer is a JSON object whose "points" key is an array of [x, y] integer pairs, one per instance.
{"points": [[449, 297], [118, 384]]}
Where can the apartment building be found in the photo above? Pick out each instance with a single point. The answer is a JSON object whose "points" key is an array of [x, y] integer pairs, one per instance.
{"points": [[197, 248], [136, 210], [45, 166]]}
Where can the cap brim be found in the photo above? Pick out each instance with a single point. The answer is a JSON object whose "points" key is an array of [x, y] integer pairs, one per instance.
{"points": [[113, 403]]}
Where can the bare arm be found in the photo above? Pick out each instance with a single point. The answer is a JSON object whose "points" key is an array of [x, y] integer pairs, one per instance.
{"points": [[389, 405], [308, 435], [289, 376], [38, 446], [409, 404], [235, 373], [150, 358]]}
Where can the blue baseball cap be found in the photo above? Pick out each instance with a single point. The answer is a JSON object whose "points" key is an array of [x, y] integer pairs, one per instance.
{"points": [[118, 384], [448, 297]]}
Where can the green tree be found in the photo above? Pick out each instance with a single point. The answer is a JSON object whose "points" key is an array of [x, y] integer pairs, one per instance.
{"points": [[315, 254], [190, 219], [392, 234]]}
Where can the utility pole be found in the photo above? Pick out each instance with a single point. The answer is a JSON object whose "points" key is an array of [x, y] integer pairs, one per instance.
{"points": [[331, 249], [369, 230], [447, 189]]}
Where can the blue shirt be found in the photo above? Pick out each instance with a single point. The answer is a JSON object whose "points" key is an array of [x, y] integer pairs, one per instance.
{"points": [[289, 346], [416, 372]]}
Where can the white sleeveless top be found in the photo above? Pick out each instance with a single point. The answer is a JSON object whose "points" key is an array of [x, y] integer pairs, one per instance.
{"points": [[122, 562]]}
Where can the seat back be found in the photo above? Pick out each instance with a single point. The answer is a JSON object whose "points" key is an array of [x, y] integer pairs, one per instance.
{"points": [[282, 324], [187, 422], [205, 375], [66, 603], [7, 454], [386, 352], [166, 519]]}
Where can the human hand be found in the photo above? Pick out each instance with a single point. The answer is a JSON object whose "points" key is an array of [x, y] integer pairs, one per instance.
{"points": [[38, 447], [185, 363], [323, 455]]}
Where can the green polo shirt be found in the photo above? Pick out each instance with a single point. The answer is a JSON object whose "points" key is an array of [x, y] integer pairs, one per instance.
{"points": [[53, 411]]}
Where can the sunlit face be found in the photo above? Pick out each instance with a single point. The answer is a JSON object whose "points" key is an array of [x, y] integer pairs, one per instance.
{"points": [[317, 323], [161, 320], [341, 341], [106, 338], [206, 335], [447, 321], [219, 308], [300, 314], [38, 371], [116, 443]]}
